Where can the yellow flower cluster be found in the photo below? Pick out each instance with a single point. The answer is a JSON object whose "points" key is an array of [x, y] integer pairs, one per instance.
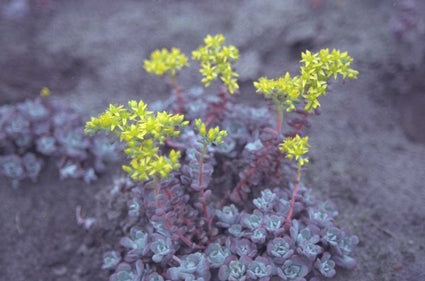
{"points": [[45, 92], [295, 148], [166, 62], [312, 82], [215, 60], [143, 132], [213, 135]]}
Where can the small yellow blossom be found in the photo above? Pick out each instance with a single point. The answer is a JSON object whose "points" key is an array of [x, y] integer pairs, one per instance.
{"points": [[213, 135], [296, 148], [45, 92], [143, 132], [311, 84], [215, 60], [165, 62]]}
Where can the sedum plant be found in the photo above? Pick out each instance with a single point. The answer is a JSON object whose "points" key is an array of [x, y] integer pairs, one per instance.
{"points": [[38, 129], [229, 207]]}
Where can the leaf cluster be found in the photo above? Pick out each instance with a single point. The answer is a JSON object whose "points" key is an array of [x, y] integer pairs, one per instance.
{"points": [[43, 128], [143, 132], [215, 60], [310, 84]]}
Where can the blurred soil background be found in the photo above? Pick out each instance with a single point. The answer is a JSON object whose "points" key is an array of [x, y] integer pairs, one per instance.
{"points": [[368, 145]]}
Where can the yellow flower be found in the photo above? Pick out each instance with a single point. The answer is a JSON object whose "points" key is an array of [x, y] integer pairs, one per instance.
{"points": [[212, 135], [143, 132], [215, 60], [45, 92], [312, 82], [296, 148], [165, 62]]}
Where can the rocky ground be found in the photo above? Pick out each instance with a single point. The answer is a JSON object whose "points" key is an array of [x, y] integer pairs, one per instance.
{"points": [[368, 145]]}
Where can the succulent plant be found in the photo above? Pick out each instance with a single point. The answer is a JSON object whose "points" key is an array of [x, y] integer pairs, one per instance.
{"points": [[230, 207], [111, 259], [42, 127]]}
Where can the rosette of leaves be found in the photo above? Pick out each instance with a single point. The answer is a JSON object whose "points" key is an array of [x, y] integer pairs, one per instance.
{"points": [[111, 259], [233, 269], [138, 243], [125, 272], [260, 269], [192, 267], [294, 269], [216, 254], [243, 247]]}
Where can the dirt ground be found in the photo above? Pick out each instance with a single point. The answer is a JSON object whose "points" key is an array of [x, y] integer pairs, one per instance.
{"points": [[368, 145]]}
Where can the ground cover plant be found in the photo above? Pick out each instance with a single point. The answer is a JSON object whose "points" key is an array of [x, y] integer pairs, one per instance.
{"points": [[216, 191], [41, 128]]}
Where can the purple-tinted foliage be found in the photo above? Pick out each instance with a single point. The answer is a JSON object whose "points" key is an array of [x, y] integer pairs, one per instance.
{"points": [[216, 254], [46, 145], [258, 236], [154, 277], [326, 265], [133, 207], [273, 224], [235, 230], [309, 250], [11, 166], [33, 110], [331, 236], [252, 221], [192, 267], [227, 216], [294, 269], [261, 268], [138, 243], [243, 247], [266, 201], [280, 249], [301, 233], [71, 169], [111, 259], [73, 142], [125, 272], [233, 269], [162, 248], [47, 127], [32, 165], [247, 186]]}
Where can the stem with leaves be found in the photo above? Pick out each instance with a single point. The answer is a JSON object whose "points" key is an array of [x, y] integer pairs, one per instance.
{"points": [[295, 149]]}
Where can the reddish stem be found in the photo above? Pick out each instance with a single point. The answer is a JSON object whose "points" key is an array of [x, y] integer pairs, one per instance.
{"points": [[279, 120], [168, 193], [291, 205], [177, 90], [301, 125], [167, 220], [217, 108], [200, 181], [242, 182]]}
